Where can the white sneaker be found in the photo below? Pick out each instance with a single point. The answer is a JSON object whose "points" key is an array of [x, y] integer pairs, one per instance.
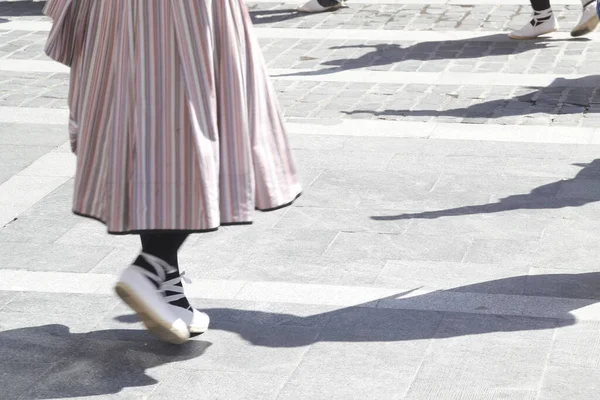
{"points": [[143, 292], [542, 22], [196, 321], [313, 6], [588, 21]]}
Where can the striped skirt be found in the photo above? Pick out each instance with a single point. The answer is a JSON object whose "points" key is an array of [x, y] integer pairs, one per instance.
{"points": [[172, 115]]}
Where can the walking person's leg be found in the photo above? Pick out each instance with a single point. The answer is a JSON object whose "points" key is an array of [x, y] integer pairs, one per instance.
{"points": [[588, 21], [166, 312], [153, 160], [543, 21]]}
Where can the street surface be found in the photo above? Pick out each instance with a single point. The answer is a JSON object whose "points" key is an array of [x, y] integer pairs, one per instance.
{"points": [[446, 246]]}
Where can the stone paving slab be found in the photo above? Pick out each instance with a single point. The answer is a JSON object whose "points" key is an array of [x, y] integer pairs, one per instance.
{"points": [[493, 243], [368, 16], [555, 105], [412, 354], [407, 16]]}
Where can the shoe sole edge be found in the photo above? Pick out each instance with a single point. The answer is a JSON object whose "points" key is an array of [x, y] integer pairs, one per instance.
{"points": [[588, 27], [153, 322], [515, 37]]}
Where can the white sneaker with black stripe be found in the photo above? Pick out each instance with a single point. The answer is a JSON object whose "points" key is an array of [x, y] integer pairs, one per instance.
{"points": [[542, 23], [196, 321], [588, 21], [144, 292]]}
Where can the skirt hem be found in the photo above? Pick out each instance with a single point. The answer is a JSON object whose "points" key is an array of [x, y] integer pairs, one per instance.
{"points": [[189, 231]]}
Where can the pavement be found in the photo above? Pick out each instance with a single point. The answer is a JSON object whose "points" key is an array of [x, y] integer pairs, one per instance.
{"points": [[445, 248]]}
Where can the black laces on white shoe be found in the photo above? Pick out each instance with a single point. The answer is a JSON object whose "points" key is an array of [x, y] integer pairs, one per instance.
{"points": [[168, 280], [539, 17]]}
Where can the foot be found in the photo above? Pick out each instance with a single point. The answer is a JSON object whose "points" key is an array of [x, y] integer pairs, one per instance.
{"points": [[143, 291], [542, 22], [588, 21], [316, 6], [196, 321]]}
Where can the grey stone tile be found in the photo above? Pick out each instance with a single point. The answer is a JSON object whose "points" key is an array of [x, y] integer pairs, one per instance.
{"points": [[213, 264], [307, 383], [39, 344], [307, 177], [34, 335], [338, 220], [448, 164], [569, 383], [117, 260], [382, 144], [107, 367], [33, 135], [51, 257], [6, 297], [61, 303], [57, 205], [369, 324], [499, 186], [455, 276], [89, 233], [333, 191], [442, 199], [570, 249], [563, 283], [584, 189], [307, 269], [547, 167], [36, 230], [350, 189], [220, 385], [576, 346], [317, 142], [16, 377], [502, 225], [274, 349], [502, 251], [440, 390], [342, 160], [336, 367], [16, 158], [350, 246], [280, 242], [221, 312], [72, 322], [507, 361]]}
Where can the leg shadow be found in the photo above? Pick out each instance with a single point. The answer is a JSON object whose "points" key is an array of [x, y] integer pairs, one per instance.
{"points": [[60, 364]]}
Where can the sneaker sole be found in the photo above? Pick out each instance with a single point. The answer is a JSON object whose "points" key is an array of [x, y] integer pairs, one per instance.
{"points": [[155, 325], [531, 37], [586, 28]]}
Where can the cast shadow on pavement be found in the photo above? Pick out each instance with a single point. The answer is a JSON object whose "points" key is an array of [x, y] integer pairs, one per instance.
{"points": [[20, 9], [59, 364], [559, 194], [386, 54], [547, 100], [460, 311], [278, 15]]}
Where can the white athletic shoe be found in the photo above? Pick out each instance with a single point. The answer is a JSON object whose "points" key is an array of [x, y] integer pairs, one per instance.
{"points": [[313, 6], [542, 22], [196, 321], [143, 291], [588, 21]]}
